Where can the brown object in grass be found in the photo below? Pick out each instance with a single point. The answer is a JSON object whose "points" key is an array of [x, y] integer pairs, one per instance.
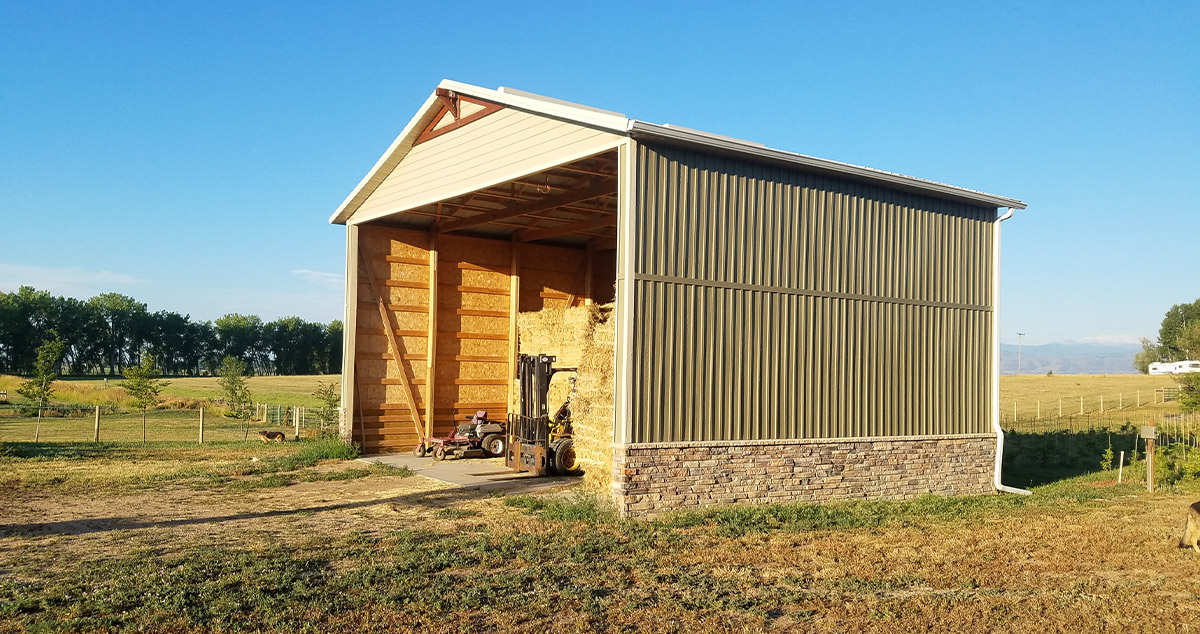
{"points": [[1191, 528], [272, 436]]}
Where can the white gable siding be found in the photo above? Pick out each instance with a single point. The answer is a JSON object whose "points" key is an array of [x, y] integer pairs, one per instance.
{"points": [[492, 150]]}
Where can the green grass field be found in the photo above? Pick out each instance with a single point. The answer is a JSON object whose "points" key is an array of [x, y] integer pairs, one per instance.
{"points": [[177, 419]]}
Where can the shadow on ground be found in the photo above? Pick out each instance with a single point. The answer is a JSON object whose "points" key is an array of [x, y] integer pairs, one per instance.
{"points": [[429, 499]]}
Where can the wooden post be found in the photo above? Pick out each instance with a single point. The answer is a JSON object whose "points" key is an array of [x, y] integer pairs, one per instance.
{"points": [[589, 256], [1101, 403], [1150, 465], [201, 425], [514, 305], [1121, 467], [1014, 411], [1039, 412], [296, 419], [1081, 405], [96, 434], [431, 334]]}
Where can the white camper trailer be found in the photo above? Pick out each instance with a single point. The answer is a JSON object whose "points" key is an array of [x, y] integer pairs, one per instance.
{"points": [[1176, 367]]}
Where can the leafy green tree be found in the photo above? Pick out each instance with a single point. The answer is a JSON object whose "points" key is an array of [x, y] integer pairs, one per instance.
{"points": [[1150, 354], [28, 318], [334, 335], [330, 396], [294, 345], [238, 403], [1189, 392], [1173, 325], [40, 387], [144, 386], [240, 336], [121, 328]]}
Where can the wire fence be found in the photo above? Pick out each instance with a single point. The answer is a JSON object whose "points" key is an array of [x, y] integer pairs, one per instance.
{"points": [[1062, 408], [75, 423]]}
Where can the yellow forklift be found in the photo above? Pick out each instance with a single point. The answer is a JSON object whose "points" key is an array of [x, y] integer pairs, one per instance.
{"points": [[539, 443]]}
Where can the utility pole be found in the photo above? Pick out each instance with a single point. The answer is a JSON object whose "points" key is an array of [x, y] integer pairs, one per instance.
{"points": [[1019, 336]]}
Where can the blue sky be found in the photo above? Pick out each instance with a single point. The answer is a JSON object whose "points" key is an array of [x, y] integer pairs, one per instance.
{"points": [[189, 154]]}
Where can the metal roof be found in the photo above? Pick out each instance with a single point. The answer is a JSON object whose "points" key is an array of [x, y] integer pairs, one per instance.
{"points": [[620, 124]]}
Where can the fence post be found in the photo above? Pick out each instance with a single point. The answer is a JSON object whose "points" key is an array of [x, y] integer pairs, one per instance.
{"points": [[1121, 467], [1120, 400], [201, 425], [1150, 465], [1081, 406], [1039, 410], [1014, 412], [96, 435], [296, 419], [1101, 403]]}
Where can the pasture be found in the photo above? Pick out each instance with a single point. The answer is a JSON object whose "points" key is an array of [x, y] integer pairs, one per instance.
{"points": [[245, 537], [188, 539], [183, 391]]}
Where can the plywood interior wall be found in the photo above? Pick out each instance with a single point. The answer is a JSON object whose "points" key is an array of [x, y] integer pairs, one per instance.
{"points": [[474, 336]]}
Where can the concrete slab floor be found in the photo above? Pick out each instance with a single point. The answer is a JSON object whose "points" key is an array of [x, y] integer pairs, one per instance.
{"points": [[483, 474]]}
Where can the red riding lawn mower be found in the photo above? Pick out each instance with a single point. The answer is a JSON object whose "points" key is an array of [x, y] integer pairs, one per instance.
{"points": [[476, 438]]}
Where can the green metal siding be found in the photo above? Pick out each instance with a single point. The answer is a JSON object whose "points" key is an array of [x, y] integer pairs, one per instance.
{"points": [[769, 303]]}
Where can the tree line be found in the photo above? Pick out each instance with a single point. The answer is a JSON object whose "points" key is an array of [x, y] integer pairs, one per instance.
{"points": [[111, 331], [1178, 338]]}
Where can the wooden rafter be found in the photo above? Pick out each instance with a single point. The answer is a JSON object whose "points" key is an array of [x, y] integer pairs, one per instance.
{"points": [[593, 189], [530, 235], [389, 329]]}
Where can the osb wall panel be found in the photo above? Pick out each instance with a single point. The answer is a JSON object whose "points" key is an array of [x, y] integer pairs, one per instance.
{"points": [[472, 348]]}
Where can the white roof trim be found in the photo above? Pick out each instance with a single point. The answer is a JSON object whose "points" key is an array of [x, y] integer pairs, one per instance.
{"points": [[618, 123], [729, 144]]}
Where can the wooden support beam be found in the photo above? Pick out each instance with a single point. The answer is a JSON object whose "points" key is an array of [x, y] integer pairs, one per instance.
{"points": [[514, 305], [605, 244], [589, 257], [397, 351], [431, 338], [592, 189], [530, 235]]}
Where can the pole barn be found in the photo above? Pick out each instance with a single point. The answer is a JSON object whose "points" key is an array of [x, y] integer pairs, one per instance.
{"points": [[787, 328]]}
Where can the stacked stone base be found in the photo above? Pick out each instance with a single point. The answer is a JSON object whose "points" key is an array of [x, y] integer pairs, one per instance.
{"points": [[649, 479]]}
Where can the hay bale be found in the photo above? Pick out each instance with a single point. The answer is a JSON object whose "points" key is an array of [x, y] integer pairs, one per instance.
{"points": [[581, 337]]}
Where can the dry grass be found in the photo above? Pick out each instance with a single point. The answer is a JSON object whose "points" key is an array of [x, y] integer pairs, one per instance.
{"points": [[183, 392], [1118, 393], [409, 554]]}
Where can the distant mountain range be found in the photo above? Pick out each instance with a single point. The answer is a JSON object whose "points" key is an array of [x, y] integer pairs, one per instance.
{"points": [[1069, 358]]}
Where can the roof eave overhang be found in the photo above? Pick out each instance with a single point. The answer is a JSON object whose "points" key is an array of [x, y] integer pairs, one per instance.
{"points": [[605, 120], [726, 145]]}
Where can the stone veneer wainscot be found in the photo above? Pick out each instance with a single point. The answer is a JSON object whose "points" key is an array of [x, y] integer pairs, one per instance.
{"points": [[649, 479]]}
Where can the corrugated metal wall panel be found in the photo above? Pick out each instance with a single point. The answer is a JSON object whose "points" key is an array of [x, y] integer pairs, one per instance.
{"points": [[774, 304]]}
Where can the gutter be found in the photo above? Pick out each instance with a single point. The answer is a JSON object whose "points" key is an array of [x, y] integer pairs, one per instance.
{"points": [[996, 358]]}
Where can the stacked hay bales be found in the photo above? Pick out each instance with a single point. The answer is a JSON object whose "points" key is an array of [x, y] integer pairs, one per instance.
{"points": [[581, 337]]}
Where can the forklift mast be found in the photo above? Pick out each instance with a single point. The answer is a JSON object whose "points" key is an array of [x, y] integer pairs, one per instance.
{"points": [[530, 428]]}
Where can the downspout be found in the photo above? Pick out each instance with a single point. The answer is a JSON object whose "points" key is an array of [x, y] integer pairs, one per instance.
{"points": [[996, 358]]}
